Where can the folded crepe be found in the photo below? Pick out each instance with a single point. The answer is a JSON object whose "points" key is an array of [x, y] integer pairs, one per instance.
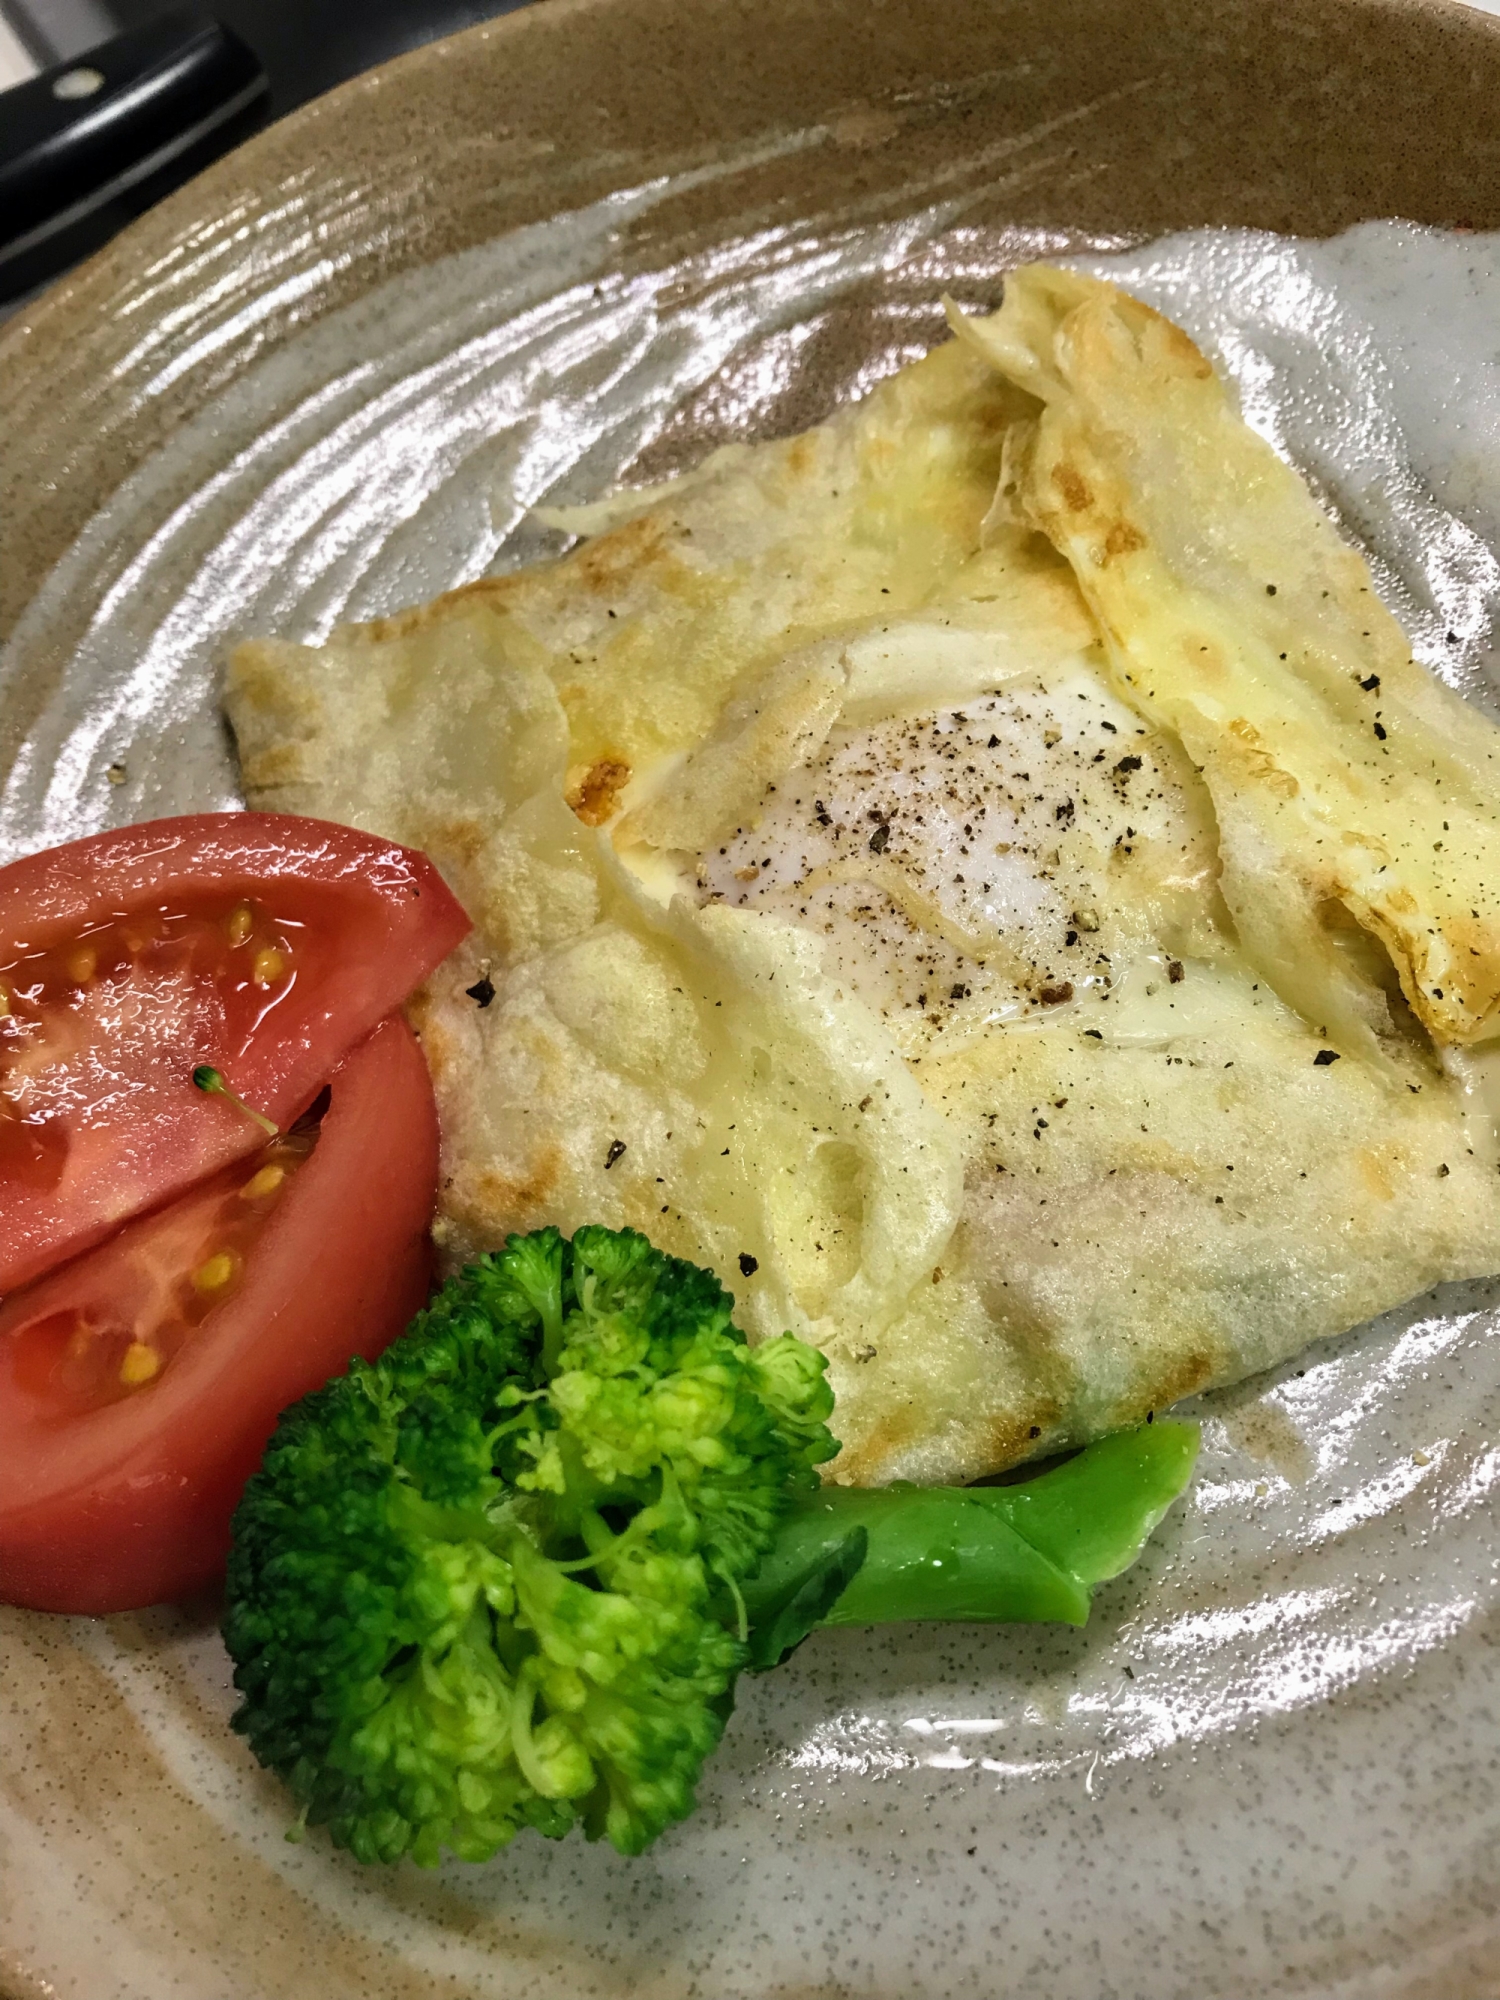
{"points": [[986, 876]]}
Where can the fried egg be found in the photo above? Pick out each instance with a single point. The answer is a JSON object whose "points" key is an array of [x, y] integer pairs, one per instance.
{"points": [[983, 865]]}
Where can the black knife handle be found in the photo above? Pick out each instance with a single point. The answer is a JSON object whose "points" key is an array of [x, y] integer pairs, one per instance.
{"points": [[70, 144]]}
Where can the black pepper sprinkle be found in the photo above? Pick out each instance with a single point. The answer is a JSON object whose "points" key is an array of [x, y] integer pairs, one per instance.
{"points": [[1035, 1431], [1371, 684], [1127, 765], [1443, 1171], [879, 839], [748, 1265], [616, 1151], [1174, 971], [1324, 1057], [483, 991], [1380, 731], [820, 813]]}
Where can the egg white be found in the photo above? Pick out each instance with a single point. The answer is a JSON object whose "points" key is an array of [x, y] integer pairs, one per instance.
{"points": [[968, 868]]}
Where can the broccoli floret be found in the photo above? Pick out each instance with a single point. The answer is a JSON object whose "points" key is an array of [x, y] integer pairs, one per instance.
{"points": [[506, 1576], [496, 1579]]}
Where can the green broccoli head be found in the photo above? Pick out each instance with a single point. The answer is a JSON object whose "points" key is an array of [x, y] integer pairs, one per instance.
{"points": [[495, 1579]]}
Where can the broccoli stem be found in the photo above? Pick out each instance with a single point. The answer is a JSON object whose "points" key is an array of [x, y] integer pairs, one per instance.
{"points": [[1093, 1515], [991, 1553]]}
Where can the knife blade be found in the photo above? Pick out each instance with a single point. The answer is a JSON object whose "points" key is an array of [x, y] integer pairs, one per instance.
{"points": [[100, 134]]}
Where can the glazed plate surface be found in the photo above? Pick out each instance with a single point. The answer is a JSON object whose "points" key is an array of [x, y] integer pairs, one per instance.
{"points": [[587, 244]]}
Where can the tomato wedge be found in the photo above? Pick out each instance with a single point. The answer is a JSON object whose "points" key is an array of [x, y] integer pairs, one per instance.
{"points": [[263, 945], [139, 1383]]}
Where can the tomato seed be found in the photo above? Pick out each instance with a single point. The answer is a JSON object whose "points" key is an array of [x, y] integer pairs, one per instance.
{"points": [[140, 1365], [82, 965], [269, 966], [241, 924], [265, 1182], [216, 1273]]}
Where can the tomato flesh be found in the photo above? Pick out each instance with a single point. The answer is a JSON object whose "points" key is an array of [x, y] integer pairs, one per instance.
{"points": [[112, 1002], [117, 1493], [262, 945], [106, 1328]]}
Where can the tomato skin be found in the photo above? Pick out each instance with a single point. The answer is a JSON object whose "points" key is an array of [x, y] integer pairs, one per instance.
{"points": [[133, 1130], [130, 1504]]}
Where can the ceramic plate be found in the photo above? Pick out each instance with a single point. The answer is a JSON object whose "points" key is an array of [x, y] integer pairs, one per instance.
{"points": [[587, 243]]}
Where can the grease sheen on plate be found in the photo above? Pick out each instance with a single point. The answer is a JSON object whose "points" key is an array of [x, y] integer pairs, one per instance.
{"points": [[1308, 1639]]}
